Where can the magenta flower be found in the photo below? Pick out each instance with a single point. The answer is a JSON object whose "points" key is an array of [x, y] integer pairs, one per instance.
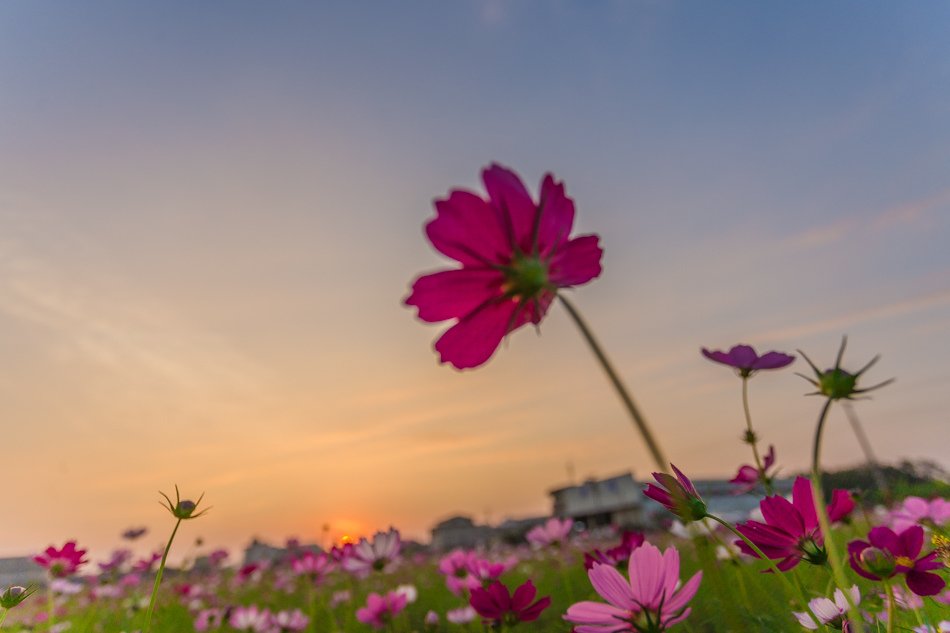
{"points": [[652, 600], [288, 621], [886, 554], [918, 511], [615, 556], [380, 554], [746, 362], [61, 563], [501, 607], [312, 565], [251, 619], [380, 610], [791, 531], [678, 495], [748, 476], [515, 255], [554, 531]]}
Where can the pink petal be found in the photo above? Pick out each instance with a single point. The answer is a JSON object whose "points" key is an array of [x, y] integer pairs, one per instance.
{"points": [[599, 614], [473, 340], [451, 294], [911, 541], [671, 572], [468, 229], [684, 595], [612, 586], [577, 262], [556, 216], [804, 499], [523, 596], [646, 574], [510, 198], [743, 356], [778, 512]]}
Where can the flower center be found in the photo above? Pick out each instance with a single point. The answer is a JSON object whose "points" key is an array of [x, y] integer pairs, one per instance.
{"points": [[904, 561], [526, 276]]}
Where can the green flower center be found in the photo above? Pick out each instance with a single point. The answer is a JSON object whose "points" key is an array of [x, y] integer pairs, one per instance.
{"points": [[526, 277], [837, 384]]}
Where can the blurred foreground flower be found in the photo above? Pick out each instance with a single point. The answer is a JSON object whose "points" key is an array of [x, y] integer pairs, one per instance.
{"points": [[380, 610], [380, 554], [554, 531], [515, 255], [652, 600], [748, 477]]}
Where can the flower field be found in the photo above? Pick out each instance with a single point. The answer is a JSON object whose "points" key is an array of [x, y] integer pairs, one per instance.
{"points": [[819, 559]]}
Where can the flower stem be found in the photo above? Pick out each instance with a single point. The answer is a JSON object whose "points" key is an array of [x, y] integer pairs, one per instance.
{"points": [[638, 420], [3, 616], [760, 554], [890, 606], [158, 580], [854, 616], [50, 606], [752, 438]]}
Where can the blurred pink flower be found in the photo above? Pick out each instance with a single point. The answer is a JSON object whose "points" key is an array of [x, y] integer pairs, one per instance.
{"points": [[380, 554], [832, 613], [251, 619], [462, 615], [379, 610], [63, 562], [209, 620], [312, 565], [651, 601], [515, 255], [288, 621], [554, 531], [887, 553], [617, 556], [499, 606], [747, 478], [918, 511]]}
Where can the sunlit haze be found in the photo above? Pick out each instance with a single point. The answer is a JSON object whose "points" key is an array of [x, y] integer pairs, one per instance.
{"points": [[210, 214]]}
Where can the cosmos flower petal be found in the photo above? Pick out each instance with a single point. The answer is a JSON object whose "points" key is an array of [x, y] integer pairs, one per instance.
{"points": [[924, 583], [577, 262], [511, 199], [454, 293], [556, 216], [468, 230], [474, 339], [612, 586]]}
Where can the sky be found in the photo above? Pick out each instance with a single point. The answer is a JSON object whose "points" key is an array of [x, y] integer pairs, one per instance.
{"points": [[210, 214]]}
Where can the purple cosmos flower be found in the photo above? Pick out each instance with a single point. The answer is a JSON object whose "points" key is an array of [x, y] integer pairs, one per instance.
{"points": [[380, 610], [791, 531], [380, 554], [515, 255], [748, 476], [554, 531], [678, 495], [746, 362], [499, 606], [886, 554], [652, 600], [62, 562]]}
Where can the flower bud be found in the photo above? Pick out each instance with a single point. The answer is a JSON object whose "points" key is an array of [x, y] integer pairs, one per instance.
{"points": [[15, 595], [878, 562]]}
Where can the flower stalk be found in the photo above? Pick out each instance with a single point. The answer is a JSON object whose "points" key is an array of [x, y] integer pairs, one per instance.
{"points": [[753, 439], [639, 421]]}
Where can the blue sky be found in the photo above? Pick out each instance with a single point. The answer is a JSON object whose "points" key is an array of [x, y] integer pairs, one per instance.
{"points": [[211, 213]]}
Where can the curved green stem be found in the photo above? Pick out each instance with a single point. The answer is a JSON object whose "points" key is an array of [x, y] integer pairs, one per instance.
{"points": [[758, 552], [837, 569], [889, 592], [638, 420], [158, 581], [3, 616], [752, 438]]}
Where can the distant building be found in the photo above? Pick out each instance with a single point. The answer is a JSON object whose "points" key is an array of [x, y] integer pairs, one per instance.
{"points": [[261, 552], [460, 531], [616, 501], [20, 570]]}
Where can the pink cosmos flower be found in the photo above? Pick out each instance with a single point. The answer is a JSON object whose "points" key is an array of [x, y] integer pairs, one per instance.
{"points": [[63, 562], [615, 556], [886, 554], [678, 495], [465, 571], [515, 255], [746, 362], [918, 511], [462, 615], [379, 610], [747, 478], [499, 606], [288, 621], [380, 554], [312, 565], [554, 531], [209, 620], [252, 619], [827, 612], [652, 600], [791, 531]]}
